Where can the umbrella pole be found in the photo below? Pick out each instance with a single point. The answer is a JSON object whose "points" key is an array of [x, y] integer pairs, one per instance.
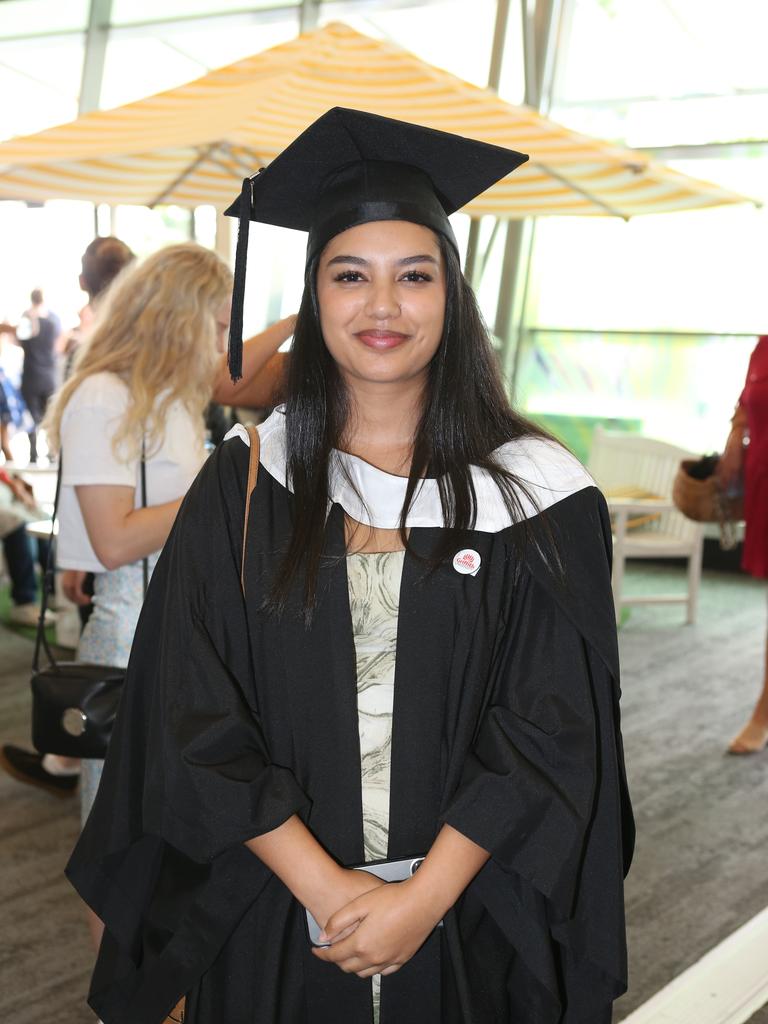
{"points": [[202, 156]]}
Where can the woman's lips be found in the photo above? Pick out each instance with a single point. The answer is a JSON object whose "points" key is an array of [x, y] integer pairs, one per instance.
{"points": [[381, 340]]}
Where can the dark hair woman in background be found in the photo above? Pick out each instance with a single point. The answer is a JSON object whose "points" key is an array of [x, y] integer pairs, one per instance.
{"points": [[418, 660]]}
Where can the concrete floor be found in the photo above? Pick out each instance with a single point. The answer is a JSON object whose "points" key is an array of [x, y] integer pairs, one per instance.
{"points": [[701, 868], [700, 872]]}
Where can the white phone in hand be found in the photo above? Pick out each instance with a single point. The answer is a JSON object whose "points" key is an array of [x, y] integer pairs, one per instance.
{"points": [[388, 870]]}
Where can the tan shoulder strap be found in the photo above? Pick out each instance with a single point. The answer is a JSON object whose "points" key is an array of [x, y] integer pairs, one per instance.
{"points": [[253, 472]]}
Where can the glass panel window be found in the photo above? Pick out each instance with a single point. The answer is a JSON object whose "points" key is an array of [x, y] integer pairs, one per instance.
{"points": [[42, 17], [275, 275], [146, 230], [140, 63], [43, 77], [139, 66], [131, 12], [216, 45], [677, 387], [48, 242], [654, 72], [699, 270], [439, 32], [647, 325]]}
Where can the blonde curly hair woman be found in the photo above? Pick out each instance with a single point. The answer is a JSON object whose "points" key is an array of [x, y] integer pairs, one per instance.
{"points": [[142, 381]]}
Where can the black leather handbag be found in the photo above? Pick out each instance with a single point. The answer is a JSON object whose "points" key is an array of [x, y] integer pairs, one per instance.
{"points": [[73, 708], [74, 703]]}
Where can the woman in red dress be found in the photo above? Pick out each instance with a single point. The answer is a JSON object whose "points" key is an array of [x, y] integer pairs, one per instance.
{"points": [[750, 425]]}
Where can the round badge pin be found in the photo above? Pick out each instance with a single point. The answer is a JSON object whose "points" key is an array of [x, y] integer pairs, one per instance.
{"points": [[467, 562]]}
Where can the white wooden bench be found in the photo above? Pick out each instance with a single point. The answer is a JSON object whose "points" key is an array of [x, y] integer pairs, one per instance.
{"points": [[636, 474]]}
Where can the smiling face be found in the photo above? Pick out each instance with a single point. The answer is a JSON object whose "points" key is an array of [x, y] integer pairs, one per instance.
{"points": [[381, 293]]}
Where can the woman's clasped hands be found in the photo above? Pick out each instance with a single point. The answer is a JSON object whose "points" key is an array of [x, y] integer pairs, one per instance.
{"points": [[380, 930]]}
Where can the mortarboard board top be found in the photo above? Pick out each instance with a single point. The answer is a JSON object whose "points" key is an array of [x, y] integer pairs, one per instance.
{"points": [[286, 193]]}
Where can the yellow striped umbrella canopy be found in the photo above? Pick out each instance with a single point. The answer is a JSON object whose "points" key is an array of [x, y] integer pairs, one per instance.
{"points": [[194, 144]]}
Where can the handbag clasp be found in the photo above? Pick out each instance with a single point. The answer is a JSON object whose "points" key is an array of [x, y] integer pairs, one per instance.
{"points": [[74, 721]]}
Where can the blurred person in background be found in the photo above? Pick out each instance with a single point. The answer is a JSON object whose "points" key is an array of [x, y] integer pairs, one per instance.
{"points": [[19, 551], [101, 262], [142, 380], [746, 455], [37, 333], [261, 385], [13, 414]]}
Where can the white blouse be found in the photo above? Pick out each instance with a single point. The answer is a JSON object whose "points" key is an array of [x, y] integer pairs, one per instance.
{"points": [[89, 423]]}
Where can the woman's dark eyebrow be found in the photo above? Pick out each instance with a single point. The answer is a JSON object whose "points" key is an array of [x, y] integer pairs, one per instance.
{"points": [[358, 261], [418, 259]]}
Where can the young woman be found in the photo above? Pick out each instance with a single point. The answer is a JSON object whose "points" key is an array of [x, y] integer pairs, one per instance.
{"points": [[412, 657], [746, 462], [102, 261], [141, 382]]}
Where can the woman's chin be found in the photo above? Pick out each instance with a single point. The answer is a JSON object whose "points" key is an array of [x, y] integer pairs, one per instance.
{"points": [[384, 374]]}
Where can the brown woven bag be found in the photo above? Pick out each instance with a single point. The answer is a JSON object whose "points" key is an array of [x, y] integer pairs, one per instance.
{"points": [[696, 499], [704, 502]]}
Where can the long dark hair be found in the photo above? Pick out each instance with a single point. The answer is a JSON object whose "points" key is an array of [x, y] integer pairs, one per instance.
{"points": [[466, 416]]}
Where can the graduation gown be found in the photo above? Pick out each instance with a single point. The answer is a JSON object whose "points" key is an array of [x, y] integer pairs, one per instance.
{"points": [[505, 726]]}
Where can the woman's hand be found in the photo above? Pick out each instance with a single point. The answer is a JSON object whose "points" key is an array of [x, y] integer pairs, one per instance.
{"points": [[379, 931], [22, 491], [314, 878], [347, 887], [72, 581]]}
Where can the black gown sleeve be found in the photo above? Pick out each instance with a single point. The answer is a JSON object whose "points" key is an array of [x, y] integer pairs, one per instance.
{"points": [[188, 776], [528, 782], [543, 787]]}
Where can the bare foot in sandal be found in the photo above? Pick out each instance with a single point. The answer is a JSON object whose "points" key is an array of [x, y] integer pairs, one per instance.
{"points": [[751, 740]]}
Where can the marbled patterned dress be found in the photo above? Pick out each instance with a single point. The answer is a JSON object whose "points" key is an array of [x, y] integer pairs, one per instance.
{"points": [[106, 640], [374, 598]]}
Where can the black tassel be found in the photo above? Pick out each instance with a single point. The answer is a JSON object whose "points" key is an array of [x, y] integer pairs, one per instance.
{"points": [[235, 353]]}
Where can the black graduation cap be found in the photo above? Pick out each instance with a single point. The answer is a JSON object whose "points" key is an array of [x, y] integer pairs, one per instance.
{"points": [[350, 167]]}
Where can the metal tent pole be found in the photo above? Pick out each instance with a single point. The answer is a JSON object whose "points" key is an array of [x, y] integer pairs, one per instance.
{"points": [[542, 38], [94, 55], [96, 38], [309, 15], [494, 77]]}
